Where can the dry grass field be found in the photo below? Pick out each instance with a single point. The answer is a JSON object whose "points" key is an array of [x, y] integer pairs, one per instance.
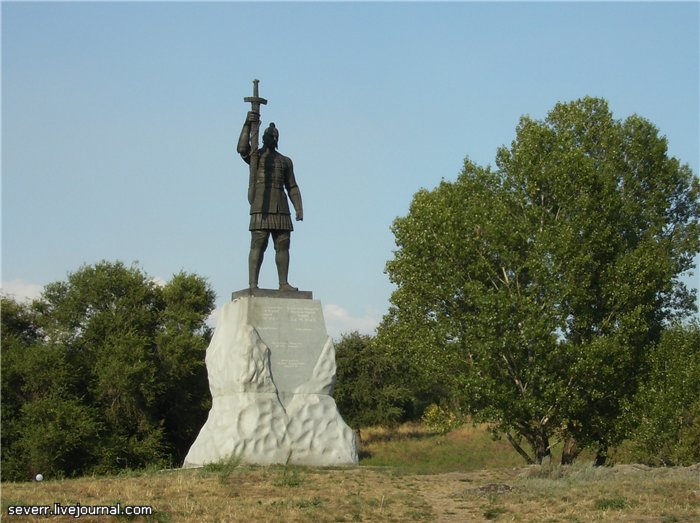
{"points": [[405, 475]]}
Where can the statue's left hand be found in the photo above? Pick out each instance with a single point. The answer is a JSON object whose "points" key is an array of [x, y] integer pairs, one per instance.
{"points": [[300, 216]]}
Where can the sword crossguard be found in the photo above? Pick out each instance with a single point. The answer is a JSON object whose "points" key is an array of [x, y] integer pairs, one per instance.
{"points": [[255, 100]]}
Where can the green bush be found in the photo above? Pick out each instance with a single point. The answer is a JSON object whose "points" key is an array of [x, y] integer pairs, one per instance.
{"points": [[440, 419], [59, 437]]}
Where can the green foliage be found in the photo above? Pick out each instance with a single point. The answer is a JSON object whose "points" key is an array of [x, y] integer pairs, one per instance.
{"points": [[532, 292], [182, 341], [224, 468], [616, 503], [58, 437], [371, 386], [45, 426], [289, 477], [441, 420], [104, 372], [494, 512], [667, 406]]}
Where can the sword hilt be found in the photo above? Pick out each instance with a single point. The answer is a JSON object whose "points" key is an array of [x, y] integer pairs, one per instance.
{"points": [[255, 100]]}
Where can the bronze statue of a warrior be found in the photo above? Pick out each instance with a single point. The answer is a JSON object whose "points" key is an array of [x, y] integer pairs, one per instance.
{"points": [[271, 174]]}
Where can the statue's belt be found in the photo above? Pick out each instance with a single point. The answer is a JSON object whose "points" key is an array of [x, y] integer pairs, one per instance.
{"points": [[269, 184]]}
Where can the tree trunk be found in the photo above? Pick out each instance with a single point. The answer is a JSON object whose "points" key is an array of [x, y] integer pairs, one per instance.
{"points": [[601, 456], [570, 452], [542, 450], [519, 449]]}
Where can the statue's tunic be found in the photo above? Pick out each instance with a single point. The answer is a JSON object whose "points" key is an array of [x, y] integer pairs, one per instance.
{"points": [[270, 208]]}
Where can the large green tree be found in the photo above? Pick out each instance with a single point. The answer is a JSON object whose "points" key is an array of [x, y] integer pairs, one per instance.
{"points": [[105, 371], [535, 288]]}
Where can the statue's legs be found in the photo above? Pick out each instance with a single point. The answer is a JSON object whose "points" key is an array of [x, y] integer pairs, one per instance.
{"points": [[258, 244], [282, 241]]}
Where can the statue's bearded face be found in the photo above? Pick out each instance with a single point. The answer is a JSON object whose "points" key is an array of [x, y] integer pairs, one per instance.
{"points": [[270, 138]]}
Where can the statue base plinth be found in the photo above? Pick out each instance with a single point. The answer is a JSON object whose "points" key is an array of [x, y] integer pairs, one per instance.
{"points": [[271, 367], [272, 293]]}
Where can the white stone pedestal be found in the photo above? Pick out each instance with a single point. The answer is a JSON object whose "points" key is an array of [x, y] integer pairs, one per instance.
{"points": [[271, 368]]}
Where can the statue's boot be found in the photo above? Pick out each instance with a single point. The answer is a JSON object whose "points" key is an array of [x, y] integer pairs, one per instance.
{"points": [[282, 260]]}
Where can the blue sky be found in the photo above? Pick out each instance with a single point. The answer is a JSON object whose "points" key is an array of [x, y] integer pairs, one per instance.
{"points": [[120, 120]]}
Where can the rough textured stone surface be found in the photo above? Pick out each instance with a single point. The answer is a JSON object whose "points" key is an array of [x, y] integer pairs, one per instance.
{"points": [[271, 369]]}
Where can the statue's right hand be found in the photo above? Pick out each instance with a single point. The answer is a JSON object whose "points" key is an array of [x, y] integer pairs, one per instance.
{"points": [[253, 117]]}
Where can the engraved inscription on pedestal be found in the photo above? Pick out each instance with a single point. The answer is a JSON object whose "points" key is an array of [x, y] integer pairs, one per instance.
{"points": [[295, 332]]}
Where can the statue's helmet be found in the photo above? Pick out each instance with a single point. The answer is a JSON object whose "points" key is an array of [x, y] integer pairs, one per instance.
{"points": [[271, 132]]}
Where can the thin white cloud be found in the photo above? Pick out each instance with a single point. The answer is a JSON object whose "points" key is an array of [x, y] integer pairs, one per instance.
{"points": [[340, 321], [213, 320], [160, 282], [21, 290]]}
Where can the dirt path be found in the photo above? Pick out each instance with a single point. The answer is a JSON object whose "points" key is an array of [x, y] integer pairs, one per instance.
{"points": [[463, 496]]}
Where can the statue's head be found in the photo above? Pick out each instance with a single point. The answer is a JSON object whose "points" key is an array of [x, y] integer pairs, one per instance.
{"points": [[271, 137]]}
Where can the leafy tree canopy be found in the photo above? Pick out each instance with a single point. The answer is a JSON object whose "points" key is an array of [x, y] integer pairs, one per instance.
{"points": [[105, 371], [535, 289]]}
